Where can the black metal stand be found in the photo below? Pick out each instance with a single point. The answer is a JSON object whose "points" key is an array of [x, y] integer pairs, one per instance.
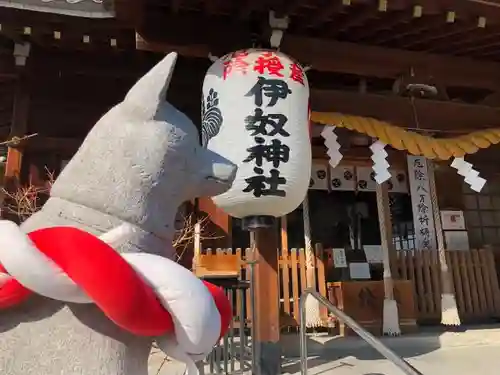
{"points": [[250, 223]]}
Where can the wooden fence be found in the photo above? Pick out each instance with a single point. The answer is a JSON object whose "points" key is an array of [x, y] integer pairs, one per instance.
{"points": [[474, 276], [292, 274]]}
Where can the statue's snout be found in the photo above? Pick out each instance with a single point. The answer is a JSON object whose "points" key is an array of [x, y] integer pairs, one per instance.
{"points": [[217, 173]]}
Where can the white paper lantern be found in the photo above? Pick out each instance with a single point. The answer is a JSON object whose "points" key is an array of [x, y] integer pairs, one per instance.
{"points": [[256, 114]]}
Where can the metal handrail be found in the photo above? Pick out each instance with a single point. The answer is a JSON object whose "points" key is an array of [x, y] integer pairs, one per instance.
{"points": [[344, 318]]}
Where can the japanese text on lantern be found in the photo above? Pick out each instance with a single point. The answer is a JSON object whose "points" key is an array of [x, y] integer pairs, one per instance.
{"points": [[421, 202], [267, 126], [267, 63]]}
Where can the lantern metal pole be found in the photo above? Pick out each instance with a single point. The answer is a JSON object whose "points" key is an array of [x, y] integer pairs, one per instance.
{"points": [[256, 347]]}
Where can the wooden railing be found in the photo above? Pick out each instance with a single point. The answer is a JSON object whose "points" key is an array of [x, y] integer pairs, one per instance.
{"points": [[474, 276], [293, 282], [292, 274]]}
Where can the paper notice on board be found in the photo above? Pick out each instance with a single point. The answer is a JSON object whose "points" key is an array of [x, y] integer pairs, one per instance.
{"points": [[373, 253], [339, 258], [359, 270], [457, 240]]}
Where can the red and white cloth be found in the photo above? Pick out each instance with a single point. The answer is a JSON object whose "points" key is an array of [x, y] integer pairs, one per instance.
{"points": [[145, 294]]}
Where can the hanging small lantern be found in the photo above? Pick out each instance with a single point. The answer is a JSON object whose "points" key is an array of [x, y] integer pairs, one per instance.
{"points": [[256, 114]]}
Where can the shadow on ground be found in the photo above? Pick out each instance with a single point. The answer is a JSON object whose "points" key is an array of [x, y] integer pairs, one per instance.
{"points": [[337, 351]]}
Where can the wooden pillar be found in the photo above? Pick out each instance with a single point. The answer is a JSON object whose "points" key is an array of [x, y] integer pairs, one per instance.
{"points": [[19, 128], [384, 216], [284, 233], [265, 244]]}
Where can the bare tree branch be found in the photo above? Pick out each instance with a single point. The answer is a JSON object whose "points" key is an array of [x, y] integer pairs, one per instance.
{"points": [[185, 236], [25, 200]]}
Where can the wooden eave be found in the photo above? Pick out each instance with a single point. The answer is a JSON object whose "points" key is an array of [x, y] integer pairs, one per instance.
{"points": [[469, 28], [65, 32], [87, 9]]}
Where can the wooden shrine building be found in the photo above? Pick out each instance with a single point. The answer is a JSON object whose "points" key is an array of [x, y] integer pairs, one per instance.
{"points": [[374, 67]]}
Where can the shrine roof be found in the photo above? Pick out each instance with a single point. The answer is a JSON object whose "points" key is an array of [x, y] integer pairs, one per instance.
{"points": [[462, 28], [78, 8]]}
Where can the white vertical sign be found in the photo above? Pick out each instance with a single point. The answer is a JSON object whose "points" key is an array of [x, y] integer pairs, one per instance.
{"points": [[423, 219]]}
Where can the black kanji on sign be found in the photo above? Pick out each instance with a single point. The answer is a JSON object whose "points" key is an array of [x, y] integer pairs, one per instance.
{"points": [[419, 175], [272, 88], [424, 232], [259, 122], [417, 163], [422, 208], [261, 185], [274, 153], [424, 219], [421, 188]]}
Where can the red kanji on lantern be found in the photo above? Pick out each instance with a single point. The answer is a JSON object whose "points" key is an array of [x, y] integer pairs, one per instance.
{"points": [[236, 63], [269, 62], [296, 73]]}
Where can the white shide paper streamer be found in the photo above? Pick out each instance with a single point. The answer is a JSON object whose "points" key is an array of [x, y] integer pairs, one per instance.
{"points": [[471, 176], [380, 163], [332, 145]]}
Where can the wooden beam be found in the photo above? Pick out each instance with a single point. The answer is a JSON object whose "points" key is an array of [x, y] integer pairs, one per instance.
{"points": [[290, 7], [129, 12], [53, 144], [450, 31], [475, 38], [7, 67], [354, 20], [414, 29], [487, 54], [360, 156], [245, 10], [389, 21], [330, 56], [176, 5], [479, 47], [324, 14], [432, 115], [46, 63], [391, 63]]}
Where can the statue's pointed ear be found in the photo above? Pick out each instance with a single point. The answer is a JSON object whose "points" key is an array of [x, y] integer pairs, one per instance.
{"points": [[145, 96]]}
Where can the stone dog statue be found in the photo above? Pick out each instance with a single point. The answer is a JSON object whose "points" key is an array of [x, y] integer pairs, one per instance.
{"points": [[137, 165]]}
